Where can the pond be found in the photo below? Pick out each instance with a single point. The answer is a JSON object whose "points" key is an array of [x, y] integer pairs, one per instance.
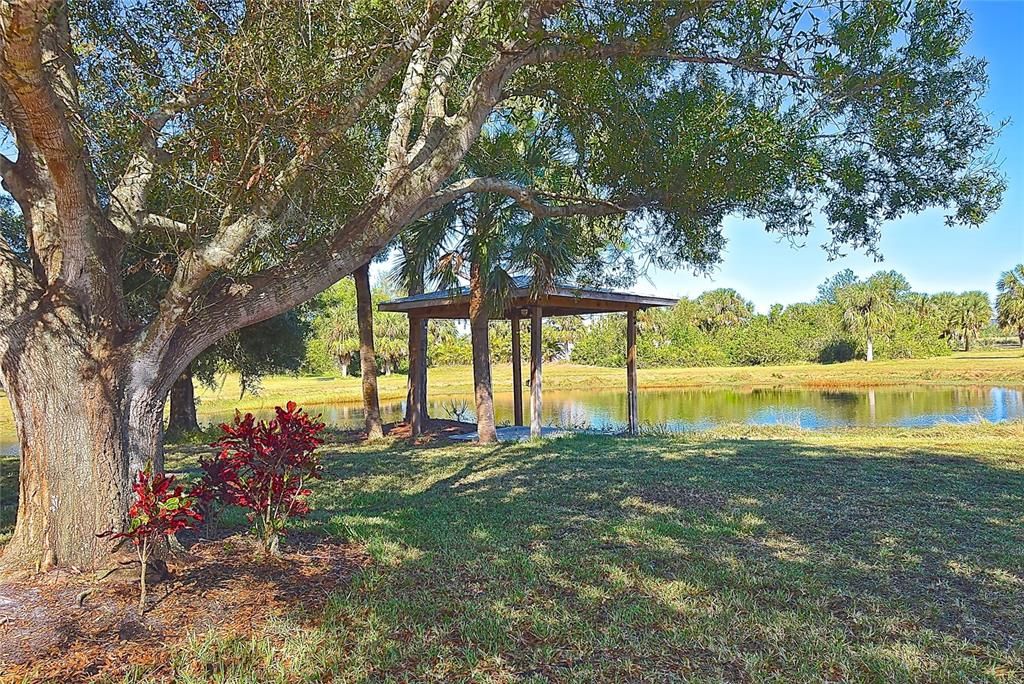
{"points": [[699, 409]]}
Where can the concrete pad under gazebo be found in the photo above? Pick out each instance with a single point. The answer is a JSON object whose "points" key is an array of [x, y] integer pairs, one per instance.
{"points": [[523, 302]]}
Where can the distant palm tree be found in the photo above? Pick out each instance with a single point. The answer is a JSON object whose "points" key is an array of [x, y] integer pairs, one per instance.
{"points": [[722, 308], [967, 314], [869, 308], [922, 305], [341, 330], [1010, 301]]}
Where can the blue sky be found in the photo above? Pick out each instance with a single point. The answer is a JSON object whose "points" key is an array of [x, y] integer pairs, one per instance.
{"points": [[932, 256]]}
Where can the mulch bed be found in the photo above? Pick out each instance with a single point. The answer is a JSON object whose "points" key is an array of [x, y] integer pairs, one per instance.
{"points": [[48, 635]]}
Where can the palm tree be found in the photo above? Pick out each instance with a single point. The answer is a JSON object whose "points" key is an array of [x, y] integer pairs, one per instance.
{"points": [[722, 308], [1010, 301], [390, 339], [489, 240], [367, 353], [338, 326], [967, 314], [869, 308], [922, 304]]}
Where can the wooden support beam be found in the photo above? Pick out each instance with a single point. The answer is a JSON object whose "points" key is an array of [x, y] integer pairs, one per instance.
{"points": [[536, 358], [632, 399], [517, 373], [417, 375]]}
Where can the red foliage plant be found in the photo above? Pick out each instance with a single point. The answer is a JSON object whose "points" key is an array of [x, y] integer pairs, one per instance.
{"points": [[161, 508], [265, 467]]}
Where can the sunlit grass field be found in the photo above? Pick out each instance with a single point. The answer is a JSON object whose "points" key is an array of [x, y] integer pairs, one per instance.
{"points": [[762, 555]]}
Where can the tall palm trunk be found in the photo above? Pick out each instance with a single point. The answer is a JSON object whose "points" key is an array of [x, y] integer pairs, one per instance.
{"points": [[417, 355], [183, 404], [367, 353], [871, 348], [478, 320]]}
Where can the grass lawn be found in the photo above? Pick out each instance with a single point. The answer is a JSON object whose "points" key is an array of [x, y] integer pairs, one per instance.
{"points": [[736, 555]]}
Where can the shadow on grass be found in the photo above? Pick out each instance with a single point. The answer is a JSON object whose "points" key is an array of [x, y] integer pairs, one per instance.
{"points": [[590, 555], [603, 559]]}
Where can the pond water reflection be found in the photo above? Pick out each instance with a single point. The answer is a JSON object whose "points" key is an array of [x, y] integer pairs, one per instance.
{"points": [[695, 409], [698, 409]]}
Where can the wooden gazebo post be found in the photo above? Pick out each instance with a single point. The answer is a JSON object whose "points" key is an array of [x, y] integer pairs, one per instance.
{"points": [[536, 354], [517, 372], [632, 400]]}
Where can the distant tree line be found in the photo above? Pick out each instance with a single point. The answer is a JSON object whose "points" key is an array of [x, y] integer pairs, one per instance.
{"points": [[879, 317]]}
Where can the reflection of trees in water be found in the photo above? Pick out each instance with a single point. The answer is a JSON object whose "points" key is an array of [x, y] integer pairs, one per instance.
{"points": [[695, 408], [699, 408]]}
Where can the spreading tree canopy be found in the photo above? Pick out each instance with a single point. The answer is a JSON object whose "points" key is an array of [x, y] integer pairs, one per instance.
{"points": [[245, 155]]}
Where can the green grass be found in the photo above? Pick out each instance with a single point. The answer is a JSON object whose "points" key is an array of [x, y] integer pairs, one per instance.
{"points": [[763, 555]]}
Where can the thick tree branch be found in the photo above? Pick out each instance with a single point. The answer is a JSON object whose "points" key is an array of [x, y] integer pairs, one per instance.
{"points": [[196, 265], [312, 149], [163, 223], [18, 288], [401, 123], [14, 181], [441, 82], [128, 198], [37, 71]]}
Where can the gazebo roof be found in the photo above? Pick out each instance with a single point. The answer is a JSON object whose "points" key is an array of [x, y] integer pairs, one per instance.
{"points": [[557, 300]]}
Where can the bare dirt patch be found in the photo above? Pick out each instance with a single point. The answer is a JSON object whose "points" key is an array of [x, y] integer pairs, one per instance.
{"points": [[62, 628]]}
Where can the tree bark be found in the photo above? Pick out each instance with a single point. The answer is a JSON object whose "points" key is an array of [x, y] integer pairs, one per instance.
{"points": [[367, 353], [183, 405], [483, 393], [87, 422], [416, 406], [871, 349]]}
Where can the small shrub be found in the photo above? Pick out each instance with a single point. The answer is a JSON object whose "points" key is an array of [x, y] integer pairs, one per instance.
{"points": [[161, 508], [265, 468], [457, 410]]}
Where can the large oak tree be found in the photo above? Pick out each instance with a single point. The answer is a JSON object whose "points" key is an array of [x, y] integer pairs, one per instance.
{"points": [[246, 155]]}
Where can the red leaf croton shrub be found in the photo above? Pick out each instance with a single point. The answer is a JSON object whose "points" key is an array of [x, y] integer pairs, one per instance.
{"points": [[161, 508], [265, 467]]}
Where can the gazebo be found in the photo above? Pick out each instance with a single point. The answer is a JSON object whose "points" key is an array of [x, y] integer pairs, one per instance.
{"points": [[522, 302]]}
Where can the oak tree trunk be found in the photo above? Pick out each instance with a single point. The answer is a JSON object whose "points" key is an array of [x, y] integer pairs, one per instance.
{"points": [[87, 421], [367, 353], [183, 405], [478, 320]]}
